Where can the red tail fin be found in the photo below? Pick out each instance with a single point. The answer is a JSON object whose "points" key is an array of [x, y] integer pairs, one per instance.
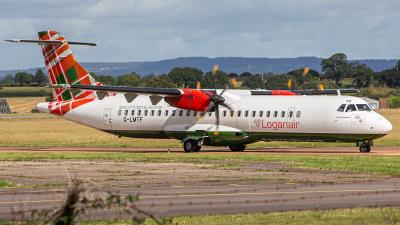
{"points": [[62, 68]]}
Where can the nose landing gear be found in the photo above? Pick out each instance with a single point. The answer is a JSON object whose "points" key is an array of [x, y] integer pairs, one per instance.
{"points": [[365, 146]]}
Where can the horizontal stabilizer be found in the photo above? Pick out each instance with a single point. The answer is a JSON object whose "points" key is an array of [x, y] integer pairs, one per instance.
{"points": [[122, 89], [45, 42]]}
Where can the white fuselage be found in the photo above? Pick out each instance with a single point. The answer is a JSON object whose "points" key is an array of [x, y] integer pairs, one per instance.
{"points": [[313, 118]]}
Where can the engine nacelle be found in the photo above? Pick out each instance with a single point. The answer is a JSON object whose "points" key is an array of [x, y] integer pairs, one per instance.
{"points": [[192, 99]]}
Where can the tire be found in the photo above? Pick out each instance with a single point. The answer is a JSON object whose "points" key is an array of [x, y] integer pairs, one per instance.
{"points": [[198, 148], [365, 148], [190, 146], [237, 148]]}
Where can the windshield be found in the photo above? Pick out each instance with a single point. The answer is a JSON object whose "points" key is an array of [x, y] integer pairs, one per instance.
{"points": [[341, 108], [351, 108], [363, 107]]}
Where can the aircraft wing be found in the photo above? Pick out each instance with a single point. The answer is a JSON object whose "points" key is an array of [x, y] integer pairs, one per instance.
{"points": [[130, 93]]}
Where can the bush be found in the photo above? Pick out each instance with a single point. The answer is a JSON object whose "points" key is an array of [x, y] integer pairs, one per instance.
{"points": [[394, 102]]}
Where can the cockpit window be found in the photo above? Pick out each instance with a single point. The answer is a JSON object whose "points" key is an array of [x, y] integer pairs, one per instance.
{"points": [[363, 107], [351, 108], [341, 108]]}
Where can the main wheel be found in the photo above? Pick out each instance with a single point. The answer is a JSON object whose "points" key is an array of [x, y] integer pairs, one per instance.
{"points": [[237, 148], [365, 148], [191, 146]]}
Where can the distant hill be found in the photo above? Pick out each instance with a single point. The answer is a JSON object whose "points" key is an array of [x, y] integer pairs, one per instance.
{"points": [[227, 64]]}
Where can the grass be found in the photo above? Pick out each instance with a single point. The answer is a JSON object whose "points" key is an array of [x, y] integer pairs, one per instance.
{"points": [[24, 91], [24, 104], [356, 216], [5, 184], [43, 130], [382, 165]]}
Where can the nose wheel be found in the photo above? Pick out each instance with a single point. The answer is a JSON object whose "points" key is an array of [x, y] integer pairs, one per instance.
{"points": [[365, 147]]}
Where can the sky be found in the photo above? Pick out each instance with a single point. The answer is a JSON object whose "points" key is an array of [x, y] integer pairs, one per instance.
{"points": [[150, 30]]}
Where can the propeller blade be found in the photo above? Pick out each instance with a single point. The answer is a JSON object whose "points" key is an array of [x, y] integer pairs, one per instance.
{"points": [[289, 84], [223, 91], [214, 73], [233, 82], [306, 71], [321, 87], [198, 117], [198, 85], [226, 106], [216, 132], [215, 69]]}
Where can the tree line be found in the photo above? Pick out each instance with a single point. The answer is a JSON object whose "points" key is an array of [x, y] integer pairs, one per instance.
{"points": [[337, 72]]}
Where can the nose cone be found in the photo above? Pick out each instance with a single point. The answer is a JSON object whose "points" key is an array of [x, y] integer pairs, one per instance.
{"points": [[383, 125]]}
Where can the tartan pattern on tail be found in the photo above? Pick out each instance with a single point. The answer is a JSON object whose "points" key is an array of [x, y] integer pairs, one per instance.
{"points": [[62, 68]]}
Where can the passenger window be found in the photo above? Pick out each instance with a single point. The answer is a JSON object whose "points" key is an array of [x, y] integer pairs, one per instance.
{"points": [[261, 113], [202, 114], [275, 113], [351, 108], [166, 112], [246, 113], [145, 112], [188, 113], [283, 114], [224, 113], [133, 112], [119, 112], [298, 114], [180, 112], [173, 112], [209, 114], [268, 114], [232, 113], [363, 107], [253, 114], [159, 113], [126, 112], [239, 113], [139, 112], [341, 108], [290, 114], [152, 113], [194, 113]]}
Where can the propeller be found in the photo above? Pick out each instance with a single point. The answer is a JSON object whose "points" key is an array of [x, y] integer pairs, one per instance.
{"points": [[216, 100]]}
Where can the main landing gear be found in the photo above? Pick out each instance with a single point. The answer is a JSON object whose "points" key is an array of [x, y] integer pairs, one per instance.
{"points": [[237, 148], [191, 145], [365, 146]]}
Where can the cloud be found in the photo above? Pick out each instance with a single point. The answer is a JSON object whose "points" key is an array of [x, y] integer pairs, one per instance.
{"points": [[129, 30]]}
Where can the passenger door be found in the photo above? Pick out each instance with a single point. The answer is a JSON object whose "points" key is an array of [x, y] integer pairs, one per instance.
{"points": [[107, 119]]}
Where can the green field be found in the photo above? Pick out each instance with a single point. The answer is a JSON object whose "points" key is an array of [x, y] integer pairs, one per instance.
{"points": [[357, 216], [24, 92]]}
